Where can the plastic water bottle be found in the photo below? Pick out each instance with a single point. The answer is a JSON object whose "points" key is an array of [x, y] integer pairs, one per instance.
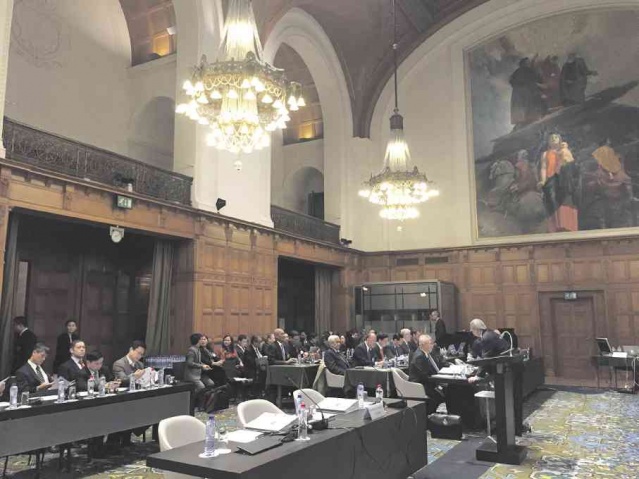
{"points": [[61, 389], [90, 387], [298, 402], [360, 395], [13, 396], [131, 382], [209, 439], [102, 387], [379, 392], [161, 377], [300, 358], [302, 424]]}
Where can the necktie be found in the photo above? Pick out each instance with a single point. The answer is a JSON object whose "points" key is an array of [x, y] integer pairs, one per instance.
{"points": [[433, 363], [257, 352], [283, 352], [39, 374]]}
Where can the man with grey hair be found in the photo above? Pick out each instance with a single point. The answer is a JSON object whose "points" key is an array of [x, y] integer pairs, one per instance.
{"points": [[333, 360], [31, 377], [488, 343], [404, 343], [422, 367]]}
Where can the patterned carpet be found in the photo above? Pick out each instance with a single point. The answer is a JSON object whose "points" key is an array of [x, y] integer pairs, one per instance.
{"points": [[583, 434]]}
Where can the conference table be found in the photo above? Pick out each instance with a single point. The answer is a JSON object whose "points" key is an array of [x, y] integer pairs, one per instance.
{"points": [[300, 376], [391, 447], [370, 377], [50, 424]]}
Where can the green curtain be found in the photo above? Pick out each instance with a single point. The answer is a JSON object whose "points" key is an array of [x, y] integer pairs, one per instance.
{"points": [[8, 288], [158, 319]]}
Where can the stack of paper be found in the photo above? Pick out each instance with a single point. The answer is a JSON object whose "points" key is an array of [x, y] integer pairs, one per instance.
{"points": [[338, 405], [271, 422]]}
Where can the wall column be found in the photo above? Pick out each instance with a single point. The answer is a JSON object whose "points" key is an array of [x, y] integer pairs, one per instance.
{"points": [[6, 14]]}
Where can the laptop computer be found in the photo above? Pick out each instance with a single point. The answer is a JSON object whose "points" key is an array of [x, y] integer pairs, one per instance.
{"points": [[603, 345], [260, 445]]}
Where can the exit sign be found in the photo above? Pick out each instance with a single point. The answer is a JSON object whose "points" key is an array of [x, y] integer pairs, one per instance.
{"points": [[124, 202], [570, 296]]}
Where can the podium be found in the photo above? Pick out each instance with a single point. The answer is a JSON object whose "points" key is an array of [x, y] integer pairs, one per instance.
{"points": [[505, 450]]}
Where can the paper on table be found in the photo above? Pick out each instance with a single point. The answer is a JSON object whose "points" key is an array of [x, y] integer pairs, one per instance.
{"points": [[318, 416], [272, 422], [243, 436]]}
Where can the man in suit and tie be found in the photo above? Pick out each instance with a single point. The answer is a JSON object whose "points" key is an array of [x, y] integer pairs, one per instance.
{"points": [[277, 352], [31, 377], [130, 364], [382, 344], [365, 354], [404, 344], [423, 366], [241, 345], [333, 360], [70, 369], [63, 344], [392, 350], [440, 328], [95, 369], [24, 342]]}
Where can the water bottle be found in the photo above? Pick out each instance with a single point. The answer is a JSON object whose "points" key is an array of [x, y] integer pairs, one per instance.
{"points": [[302, 424], [379, 392], [90, 387], [102, 387], [360, 395], [209, 439], [13, 396], [131, 382], [161, 377], [298, 402], [61, 389]]}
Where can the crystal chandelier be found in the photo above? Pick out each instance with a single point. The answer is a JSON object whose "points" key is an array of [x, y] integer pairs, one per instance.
{"points": [[397, 188], [240, 97]]}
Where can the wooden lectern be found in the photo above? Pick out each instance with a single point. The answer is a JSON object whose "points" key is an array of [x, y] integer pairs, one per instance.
{"points": [[505, 451]]}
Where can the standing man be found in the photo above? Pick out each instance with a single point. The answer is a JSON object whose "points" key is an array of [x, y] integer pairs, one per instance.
{"points": [[64, 343], [422, 367], [31, 377], [439, 327], [130, 364], [70, 369], [24, 342]]}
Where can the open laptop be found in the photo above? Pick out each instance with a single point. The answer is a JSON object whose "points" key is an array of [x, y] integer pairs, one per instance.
{"points": [[603, 345]]}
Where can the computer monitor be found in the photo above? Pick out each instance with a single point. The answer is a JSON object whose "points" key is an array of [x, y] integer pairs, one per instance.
{"points": [[604, 345]]}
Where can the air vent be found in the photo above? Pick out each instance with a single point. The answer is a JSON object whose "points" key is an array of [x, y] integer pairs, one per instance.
{"points": [[407, 261], [436, 260]]}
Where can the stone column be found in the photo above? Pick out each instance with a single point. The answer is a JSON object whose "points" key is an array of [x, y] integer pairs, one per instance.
{"points": [[6, 14]]}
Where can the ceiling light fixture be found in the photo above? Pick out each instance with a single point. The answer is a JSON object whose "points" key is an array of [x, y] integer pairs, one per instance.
{"points": [[398, 189], [240, 97]]}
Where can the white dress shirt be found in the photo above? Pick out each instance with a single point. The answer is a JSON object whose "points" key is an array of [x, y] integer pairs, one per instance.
{"points": [[34, 366]]}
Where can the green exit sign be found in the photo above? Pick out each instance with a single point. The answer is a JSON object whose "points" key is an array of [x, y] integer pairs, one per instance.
{"points": [[124, 202]]}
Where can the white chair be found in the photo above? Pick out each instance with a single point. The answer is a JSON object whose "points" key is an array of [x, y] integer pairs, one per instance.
{"points": [[315, 397], [407, 389], [249, 410], [488, 395], [179, 431], [334, 381]]}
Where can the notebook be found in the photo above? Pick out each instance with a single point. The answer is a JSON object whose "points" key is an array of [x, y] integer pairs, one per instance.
{"points": [[271, 422]]}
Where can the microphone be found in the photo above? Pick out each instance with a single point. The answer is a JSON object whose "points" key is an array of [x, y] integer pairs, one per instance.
{"points": [[322, 423], [510, 336]]}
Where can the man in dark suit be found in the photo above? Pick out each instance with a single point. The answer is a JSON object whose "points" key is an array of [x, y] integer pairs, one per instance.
{"points": [[440, 328], [381, 345], [70, 369], [423, 366], [24, 342], [93, 368], [63, 344], [404, 344], [241, 345], [365, 353], [277, 352], [333, 360], [31, 377], [130, 364], [393, 350], [488, 343]]}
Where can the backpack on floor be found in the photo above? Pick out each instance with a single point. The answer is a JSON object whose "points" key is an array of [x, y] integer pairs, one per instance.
{"points": [[217, 399], [445, 426]]}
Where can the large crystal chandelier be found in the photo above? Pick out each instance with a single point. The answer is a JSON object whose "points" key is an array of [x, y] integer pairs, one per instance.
{"points": [[241, 97], [398, 189]]}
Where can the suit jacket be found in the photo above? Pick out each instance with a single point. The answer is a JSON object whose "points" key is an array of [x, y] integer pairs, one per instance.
{"points": [[69, 370], [27, 380], [82, 378], [122, 369], [62, 353], [421, 368], [489, 345], [404, 348], [274, 353], [412, 346], [335, 362], [193, 369], [240, 352], [363, 357], [23, 347], [440, 332], [391, 351]]}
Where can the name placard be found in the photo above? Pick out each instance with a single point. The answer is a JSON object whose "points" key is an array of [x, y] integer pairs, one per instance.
{"points": [[375, 411]]}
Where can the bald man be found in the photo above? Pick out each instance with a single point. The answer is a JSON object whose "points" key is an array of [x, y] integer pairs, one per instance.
{"points": [[278, 351], [366, 354], [422, 367]]}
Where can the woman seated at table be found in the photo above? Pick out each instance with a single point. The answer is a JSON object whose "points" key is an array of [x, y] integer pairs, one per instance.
{"points": [[215, 361]]}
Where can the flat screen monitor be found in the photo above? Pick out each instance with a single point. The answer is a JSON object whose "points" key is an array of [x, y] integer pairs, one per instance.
{"points": [[604, 345]]}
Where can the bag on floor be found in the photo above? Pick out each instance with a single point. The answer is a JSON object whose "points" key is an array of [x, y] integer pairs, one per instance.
{"points": [[445, 426], [217, 399]]}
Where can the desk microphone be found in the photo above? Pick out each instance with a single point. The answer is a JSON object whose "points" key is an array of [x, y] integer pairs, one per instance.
{"points": [[510, 336], [322, 423]]}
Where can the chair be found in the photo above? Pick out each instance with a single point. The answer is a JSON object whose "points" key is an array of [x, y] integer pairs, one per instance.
{"points": [[488, 395], [408, 389], [249, 410], [179, 431], [334, 381], [315, 397]]}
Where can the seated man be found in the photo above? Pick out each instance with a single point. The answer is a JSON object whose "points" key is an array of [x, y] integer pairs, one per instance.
{"points": [[333, 360], [404, 344], [423, 366], [365, 354], [94, 368], [70, 368], [31, 377], [130, 364], [393, 349], [382, 344]]}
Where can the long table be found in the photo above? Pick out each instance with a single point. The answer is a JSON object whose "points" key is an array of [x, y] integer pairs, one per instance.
{"points": [[370, 377], [51, 424], [392, 447], [288, 375]]}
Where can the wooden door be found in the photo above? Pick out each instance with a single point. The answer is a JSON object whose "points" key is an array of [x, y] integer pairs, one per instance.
{"points": [[573, 324]]}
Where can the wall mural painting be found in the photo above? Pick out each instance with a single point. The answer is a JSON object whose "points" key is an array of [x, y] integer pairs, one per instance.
{"points": [[555, 109]]}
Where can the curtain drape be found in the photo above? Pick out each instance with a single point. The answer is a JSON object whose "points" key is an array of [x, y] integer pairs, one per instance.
{"points": [[323, 286], [8, 288], [158, 319]]}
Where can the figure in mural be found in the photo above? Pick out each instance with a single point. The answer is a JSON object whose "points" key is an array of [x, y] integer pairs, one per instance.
{"points": [[527, 103], [550, 74], [560, 184], [574, 80]]}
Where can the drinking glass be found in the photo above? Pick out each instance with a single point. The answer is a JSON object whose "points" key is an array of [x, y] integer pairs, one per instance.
{"points": [[24, 399], [223, 440]]}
